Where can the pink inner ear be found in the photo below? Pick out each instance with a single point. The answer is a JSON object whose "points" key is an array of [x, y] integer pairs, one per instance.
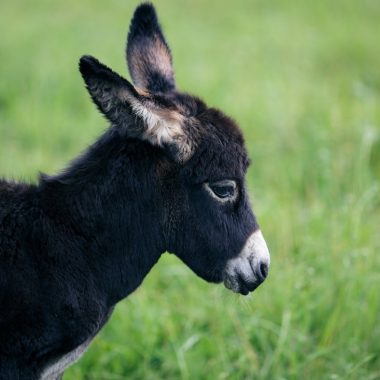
{"points": [[148, 55]]}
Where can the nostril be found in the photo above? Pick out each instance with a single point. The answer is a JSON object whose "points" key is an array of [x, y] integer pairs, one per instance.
{"points": [[264, 270]]}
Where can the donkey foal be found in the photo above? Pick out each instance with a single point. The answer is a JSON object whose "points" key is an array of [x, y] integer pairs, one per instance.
{"points": [[168, 175]]}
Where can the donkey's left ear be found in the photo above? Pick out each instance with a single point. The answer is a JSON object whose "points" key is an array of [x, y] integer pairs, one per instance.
{"points": [[135, 111], [148, 55]]}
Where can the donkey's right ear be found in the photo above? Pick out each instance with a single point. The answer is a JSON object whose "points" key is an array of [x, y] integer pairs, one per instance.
{"points": [[111, 93], [148, 55], [135, 111]]}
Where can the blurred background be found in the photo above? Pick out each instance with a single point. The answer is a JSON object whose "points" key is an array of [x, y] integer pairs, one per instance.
{"points": [[302, 78]]}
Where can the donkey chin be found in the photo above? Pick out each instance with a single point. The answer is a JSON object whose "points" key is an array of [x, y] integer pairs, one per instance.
{"points": [[245, 272]]}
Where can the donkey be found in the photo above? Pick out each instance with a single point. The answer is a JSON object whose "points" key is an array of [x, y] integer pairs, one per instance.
{"points": [[166, 176]]}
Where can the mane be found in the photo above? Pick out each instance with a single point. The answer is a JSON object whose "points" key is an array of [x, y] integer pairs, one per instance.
{"points": [[88, 165]]}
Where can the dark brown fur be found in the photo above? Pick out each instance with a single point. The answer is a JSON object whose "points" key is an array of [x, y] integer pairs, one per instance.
{"points": [[77, 243]]}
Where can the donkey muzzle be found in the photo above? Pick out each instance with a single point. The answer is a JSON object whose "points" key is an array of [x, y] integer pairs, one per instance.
{"points": [[245, 272]]}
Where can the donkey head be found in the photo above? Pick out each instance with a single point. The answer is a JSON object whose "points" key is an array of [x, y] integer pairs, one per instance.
{"points": [[207, 219]]}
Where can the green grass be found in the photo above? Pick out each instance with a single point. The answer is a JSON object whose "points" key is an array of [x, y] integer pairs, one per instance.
{"points": [[303, 81]]}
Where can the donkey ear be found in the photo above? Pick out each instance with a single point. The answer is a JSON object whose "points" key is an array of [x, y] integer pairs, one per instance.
{"points": [[135, 112], [148, 55], [108, 89]]}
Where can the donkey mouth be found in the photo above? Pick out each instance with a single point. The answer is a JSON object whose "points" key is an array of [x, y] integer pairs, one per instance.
{"points": [[245, 272], [242, 284]]}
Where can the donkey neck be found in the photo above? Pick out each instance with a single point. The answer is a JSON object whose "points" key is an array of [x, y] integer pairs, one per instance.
{"points": [[108, 197]]}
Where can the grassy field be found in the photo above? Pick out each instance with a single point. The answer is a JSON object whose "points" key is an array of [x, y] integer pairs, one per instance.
{"points": [[302, 78]]}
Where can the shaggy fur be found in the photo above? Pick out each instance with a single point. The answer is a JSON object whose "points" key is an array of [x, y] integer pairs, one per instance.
{"points": [[74, 245]]}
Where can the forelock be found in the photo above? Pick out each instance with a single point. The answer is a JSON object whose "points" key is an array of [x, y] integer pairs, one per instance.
{"points": [[216, 139], [220, 150], [222, 127]]}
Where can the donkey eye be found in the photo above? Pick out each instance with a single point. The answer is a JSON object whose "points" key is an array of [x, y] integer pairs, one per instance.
{"points": [[224, 190]]}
